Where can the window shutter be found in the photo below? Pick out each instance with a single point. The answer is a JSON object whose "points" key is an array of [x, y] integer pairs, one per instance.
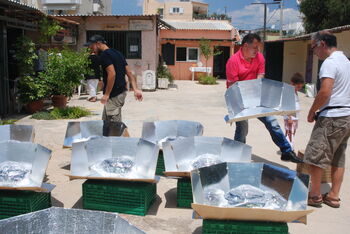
{"points": [[171, 10], [181, 11]]}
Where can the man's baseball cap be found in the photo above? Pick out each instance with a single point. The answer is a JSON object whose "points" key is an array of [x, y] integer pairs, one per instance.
{"points": [[94, 39]]}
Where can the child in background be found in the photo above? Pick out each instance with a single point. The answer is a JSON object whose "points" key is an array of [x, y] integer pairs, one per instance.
{"points": [[291, 121]]}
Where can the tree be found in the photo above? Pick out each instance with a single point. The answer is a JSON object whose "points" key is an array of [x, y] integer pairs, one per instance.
{"points": [[207, 51], [324, 14]]}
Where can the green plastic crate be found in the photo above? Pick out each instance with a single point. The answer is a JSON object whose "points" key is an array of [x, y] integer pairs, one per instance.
{"points": [[184, 193], [160, 164], [13, 203], [242, 227], [119, 196]]}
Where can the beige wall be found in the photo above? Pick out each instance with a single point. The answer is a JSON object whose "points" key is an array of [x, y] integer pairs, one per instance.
{"points": [[295, 56], [343, 40], [294, 59], [151, 7], [149, 44]]}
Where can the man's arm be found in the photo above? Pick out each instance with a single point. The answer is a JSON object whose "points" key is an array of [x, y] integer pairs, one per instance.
{"points": [[261, 68], [110, 83], [321, 98], [132, 80]]}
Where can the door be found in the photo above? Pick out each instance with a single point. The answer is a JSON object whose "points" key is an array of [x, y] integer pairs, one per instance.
{"points": [[220, 62], [274, 60]]}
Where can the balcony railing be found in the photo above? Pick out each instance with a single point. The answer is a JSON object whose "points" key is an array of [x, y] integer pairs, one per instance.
{"points": [[61, 2]]}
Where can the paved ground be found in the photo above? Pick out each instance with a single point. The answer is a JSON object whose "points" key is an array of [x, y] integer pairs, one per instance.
{"points": [[190, 102]]}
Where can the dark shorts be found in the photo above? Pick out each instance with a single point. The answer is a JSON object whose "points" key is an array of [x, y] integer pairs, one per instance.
{"points": [[113, 108], [328, 142]]}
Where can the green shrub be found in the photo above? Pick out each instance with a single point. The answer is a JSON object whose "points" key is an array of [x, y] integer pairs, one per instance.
{"points": [[74, 112], [207, 80], [8, 121]]}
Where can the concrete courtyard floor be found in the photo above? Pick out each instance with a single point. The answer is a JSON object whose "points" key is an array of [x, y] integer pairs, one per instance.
{"points": [[190, 102]]}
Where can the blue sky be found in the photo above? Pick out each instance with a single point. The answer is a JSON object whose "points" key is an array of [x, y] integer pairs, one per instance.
{"points": [[244, 15]]}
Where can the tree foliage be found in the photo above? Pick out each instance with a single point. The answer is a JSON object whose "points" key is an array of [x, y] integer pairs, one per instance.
{"points": [[324, 14], [207, 51]]}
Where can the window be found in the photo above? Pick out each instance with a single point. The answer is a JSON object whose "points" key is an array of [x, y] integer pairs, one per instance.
{"points": [[192, 54], [176, 10], [127, 42], [181, 54], [187, 54]]}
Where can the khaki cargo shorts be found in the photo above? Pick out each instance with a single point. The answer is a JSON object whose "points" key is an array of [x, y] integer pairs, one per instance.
{"points": [[328, 142], [112, 111]]}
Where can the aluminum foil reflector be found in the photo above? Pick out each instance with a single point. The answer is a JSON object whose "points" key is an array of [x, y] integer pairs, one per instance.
{"points": [[259, 98], [67, 221], [170, 130], [246, 191], [183, 155], [80, 131], [22, 165], [119, 158], [17, 132]]}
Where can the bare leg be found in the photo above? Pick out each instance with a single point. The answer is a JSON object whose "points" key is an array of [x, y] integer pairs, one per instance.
{"points": [[337, 179], [316, 175]]}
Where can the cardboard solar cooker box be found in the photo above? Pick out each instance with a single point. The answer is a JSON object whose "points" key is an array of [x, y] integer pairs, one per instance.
{"points": [[140, 154], [181, 156], [292, 186], [23, 166], [17, 132], [258, 98]]}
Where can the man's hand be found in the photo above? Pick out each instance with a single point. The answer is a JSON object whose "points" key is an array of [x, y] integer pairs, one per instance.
{"points": [[138, 95], [311, 116], [104, 99]]}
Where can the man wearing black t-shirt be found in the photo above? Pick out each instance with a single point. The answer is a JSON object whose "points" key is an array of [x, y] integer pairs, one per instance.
{"points": [[114, 68]]}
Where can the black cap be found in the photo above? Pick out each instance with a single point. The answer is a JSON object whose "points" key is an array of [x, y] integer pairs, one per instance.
{"points": [[94, 39]]}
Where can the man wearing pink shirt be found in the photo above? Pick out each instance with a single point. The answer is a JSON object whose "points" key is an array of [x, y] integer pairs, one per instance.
{"points": [[248, 64]]}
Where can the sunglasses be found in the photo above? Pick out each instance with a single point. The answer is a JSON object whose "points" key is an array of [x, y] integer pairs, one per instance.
{"points": [[316, 45]]}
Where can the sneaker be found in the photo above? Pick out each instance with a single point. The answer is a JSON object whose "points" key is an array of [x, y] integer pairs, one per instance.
{"points": [[291, 156]]}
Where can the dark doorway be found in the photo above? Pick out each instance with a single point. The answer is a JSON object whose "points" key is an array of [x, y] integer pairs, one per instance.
{"points": [[309, 63], [127, 42], [4, 84], [274, 60], [168, 53], [220, 62]]}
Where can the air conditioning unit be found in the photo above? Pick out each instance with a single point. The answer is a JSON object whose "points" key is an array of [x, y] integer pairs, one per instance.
{"points": [[63, 38]]}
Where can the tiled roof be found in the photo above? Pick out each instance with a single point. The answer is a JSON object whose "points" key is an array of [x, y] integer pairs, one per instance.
{"points": [[308, 36], [200, 25], [15, 3], [97, 15]]}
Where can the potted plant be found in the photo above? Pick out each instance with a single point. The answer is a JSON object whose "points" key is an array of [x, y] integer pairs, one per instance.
{"points": [[64, 71], [164, 76], [31, 89]]}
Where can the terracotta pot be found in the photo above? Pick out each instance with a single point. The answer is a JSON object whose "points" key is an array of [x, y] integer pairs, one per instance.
{"points": [[59, 101], [35, 106]]}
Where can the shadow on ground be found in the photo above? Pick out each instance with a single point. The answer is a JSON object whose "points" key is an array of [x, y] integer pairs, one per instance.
{"points": [[78, 204], [153, 210], [198, 230], [170, 197], [56, 203]]}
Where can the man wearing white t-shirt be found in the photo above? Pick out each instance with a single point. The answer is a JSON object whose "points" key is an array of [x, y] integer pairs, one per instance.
{"points": [[331, 110]]}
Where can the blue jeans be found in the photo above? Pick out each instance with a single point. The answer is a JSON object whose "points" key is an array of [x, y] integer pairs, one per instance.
{"points": [[271, 125]]}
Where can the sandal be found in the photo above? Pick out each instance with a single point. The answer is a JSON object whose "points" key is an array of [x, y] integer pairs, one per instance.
{"points": [[332, 202], [92, 99], [315, 201]]}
